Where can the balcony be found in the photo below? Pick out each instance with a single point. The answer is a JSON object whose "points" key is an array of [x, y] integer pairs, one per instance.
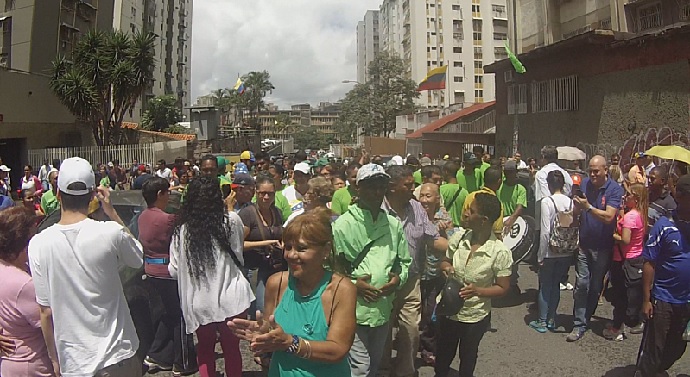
{"points": [[500, 15]]}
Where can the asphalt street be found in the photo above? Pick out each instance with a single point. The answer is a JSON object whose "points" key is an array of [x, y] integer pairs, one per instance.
{"points": [[514, 349]]}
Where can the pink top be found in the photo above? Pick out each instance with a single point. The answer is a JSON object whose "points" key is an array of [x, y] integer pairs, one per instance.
{"points": [[19, 316], [631, 220]]}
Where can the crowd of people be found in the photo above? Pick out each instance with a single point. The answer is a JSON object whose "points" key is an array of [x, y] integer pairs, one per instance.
{"points": [[325, 267]]}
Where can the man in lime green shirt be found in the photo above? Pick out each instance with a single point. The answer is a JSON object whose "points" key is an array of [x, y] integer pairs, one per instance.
{"points": [[512, 195], [342, 198], [370, 245], [470, 178], [49, 201], [452, 194]]}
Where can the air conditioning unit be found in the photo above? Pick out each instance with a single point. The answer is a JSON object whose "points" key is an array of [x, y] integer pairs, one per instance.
{"points": [[508, 76]]}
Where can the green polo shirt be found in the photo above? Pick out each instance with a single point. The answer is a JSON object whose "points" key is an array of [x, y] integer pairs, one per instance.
{"points": [[490, 261], [342, 198], [511, 196], [471, 182], [49, 202], [389, 252], [448, 191], [417, 175]]}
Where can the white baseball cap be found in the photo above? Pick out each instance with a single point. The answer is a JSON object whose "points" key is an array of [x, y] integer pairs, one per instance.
{"points": [[4, 168], [76, 170], [369, 171], [303, 167]]}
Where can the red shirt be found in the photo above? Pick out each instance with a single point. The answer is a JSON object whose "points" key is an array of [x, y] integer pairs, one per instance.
{"points": [[155, 231]]}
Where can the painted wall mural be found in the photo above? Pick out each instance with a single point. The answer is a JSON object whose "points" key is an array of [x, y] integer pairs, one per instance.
{"points": [[641, 141]]}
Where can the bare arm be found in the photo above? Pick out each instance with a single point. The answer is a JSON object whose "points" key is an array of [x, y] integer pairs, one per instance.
{"points": [[440, 245], [624, 237], [648, 271], [605, 216], [499, 289], [255, 244], [49, 336]]}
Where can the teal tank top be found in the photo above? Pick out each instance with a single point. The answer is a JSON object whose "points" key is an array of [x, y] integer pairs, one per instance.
{"points": [[304, 316]]}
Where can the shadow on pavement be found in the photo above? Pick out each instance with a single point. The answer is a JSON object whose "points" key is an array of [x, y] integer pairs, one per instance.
{"points": [[626, 371], [515, 298]]}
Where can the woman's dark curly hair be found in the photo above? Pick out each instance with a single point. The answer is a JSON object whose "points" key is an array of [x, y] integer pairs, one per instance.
{"points": [[206, 227], [18, 225]]}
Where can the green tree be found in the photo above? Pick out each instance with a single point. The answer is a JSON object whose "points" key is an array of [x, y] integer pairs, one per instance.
{"points": [[161, 113], [285, 126], [106, 75], [372, 106], [257, 86], [309, 138]]}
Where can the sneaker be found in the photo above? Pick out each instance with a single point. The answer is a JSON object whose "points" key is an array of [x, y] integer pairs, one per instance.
{"points": [[178, 371], [551, 325], [612, 333], [575, 335], [569, 287], [539, 326], [639, 329], [155, 366], [562, 286]]}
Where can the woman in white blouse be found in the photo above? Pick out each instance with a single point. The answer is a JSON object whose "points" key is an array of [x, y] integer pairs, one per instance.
{"points": [[206, 259]]}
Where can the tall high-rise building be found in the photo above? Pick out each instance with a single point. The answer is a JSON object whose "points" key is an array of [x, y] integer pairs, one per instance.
{"points": [[367, 42], [171, 22], [464, 35]]}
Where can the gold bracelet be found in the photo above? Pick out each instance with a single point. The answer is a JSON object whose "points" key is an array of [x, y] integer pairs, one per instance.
{"points": [[308, 355]]}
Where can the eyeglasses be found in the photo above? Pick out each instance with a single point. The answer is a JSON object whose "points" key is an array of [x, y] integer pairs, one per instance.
{"points": [[264, 193]]}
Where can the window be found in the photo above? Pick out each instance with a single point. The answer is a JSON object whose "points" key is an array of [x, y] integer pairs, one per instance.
{"points": [[649, 17], [134, 12], [476, 25], [500, 36], [456, 7], [478, 79], [517, 99], [479, 93], [561, 94], [457, 50], [478, 54], [133, 28], [457, 79], [457, 64], [685, 10], [475, 8], [478, 65], [5, 41], [499, 11]]}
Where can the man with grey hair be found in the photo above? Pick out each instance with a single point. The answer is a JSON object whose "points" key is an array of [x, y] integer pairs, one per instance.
{"points": [[598, 202]]}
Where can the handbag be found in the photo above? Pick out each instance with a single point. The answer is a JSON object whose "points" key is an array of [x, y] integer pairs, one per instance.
{"points": [[273, 254], [565, 235], [632, 268]]}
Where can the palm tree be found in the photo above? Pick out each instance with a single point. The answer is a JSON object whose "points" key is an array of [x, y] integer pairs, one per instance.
{"points": [[107, 74], [258, 85]]}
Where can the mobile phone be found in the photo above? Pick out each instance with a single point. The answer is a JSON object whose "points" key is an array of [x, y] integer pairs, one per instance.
{"points": [[577, 191]]}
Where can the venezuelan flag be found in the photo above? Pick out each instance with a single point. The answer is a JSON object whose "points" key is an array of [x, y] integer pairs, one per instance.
{"points": [[435, 79], [239, 86]]}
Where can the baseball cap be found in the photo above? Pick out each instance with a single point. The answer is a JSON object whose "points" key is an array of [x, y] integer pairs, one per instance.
{"points": [[451, 302], [370, 171], [640, 154], [76, 170], [303, 167], [470, 157], [246, 155], [111, 165], [446, 157], [187, 163], [396, 160], [425, 161], [221, 162], [241, 168], [510, 165], [242, 179], [142, 168], [4, 168]]}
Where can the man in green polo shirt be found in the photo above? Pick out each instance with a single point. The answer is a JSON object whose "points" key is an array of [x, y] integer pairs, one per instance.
{"points": [[342, 198], [452, 194], [470, 177], [371, 246], [512, 195]]}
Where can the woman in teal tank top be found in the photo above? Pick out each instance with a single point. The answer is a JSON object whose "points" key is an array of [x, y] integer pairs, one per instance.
{"points": [[310, 310]]}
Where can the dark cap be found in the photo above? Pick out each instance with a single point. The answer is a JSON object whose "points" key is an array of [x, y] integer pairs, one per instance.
{"points": [[470, 157], [451, 302], [243, 179]]}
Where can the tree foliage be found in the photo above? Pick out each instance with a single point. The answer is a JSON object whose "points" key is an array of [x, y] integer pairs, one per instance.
{"points": [[107, 74], [257, 85], [161, 113], [371, 107]]}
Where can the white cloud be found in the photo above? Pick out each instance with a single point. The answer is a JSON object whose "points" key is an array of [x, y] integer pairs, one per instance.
{"points": [[308, 46]]}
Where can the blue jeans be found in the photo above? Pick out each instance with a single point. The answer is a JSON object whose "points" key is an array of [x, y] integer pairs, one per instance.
{"points": [[367, 350], [591, 267], [550, 275]]}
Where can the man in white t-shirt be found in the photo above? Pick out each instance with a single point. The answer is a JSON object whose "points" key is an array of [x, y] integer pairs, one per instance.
{"points": [[163, 171], [295, 193], [541, 188], [84, 315]]}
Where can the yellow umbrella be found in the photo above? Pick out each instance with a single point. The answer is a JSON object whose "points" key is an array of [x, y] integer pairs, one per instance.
{"points": [[670, 152]]}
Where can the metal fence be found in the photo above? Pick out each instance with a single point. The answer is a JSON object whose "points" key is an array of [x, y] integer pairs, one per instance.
{"points": [[144, 153]]}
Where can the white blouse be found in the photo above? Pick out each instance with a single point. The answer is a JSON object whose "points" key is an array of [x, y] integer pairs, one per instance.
{"points": [[222, 293]]}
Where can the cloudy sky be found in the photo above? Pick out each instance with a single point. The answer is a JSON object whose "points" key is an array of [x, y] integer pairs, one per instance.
{"points": [[308, 46]]}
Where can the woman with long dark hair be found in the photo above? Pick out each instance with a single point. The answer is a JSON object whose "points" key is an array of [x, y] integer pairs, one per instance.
{"points": [[206, 258]]}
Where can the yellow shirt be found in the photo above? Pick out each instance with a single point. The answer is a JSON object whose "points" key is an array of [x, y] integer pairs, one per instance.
{"points": [[498, 225], [490, 261]]}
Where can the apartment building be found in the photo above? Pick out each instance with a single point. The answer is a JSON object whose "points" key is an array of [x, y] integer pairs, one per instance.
{"points": [[367, 42], [323, 118], [465, 35], [171, 22]]}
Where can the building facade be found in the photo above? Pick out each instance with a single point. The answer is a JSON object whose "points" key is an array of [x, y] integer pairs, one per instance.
{"points": [[171, 22], [464, 35], [281, 124], [367, 43]]}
